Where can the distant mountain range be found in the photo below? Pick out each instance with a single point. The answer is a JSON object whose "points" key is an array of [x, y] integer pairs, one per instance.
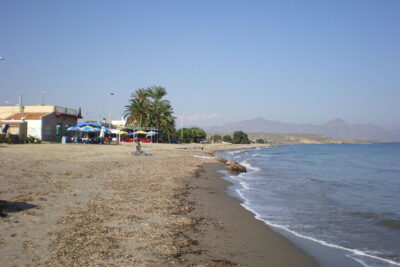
{"points": [[336, 128]]}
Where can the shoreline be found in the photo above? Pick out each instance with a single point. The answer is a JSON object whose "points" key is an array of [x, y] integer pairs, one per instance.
{"points": [[98, 205], [325, 253], [233, 233]]}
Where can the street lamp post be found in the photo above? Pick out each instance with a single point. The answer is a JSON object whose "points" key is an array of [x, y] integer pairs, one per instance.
{"points": [[43, 94], [109, 115], [182, 128]]}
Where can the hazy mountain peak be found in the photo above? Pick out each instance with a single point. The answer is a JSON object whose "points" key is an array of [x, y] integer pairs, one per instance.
{"points": [[259, 119], [336, 128], [337, 122]]}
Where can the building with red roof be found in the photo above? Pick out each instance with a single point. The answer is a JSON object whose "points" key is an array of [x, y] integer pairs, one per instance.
{"points": [[49, 123]]}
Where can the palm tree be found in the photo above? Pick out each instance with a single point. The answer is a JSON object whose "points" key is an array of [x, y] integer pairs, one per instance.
{"points": [[136, 112], [147, 108], [166, 121], [156, 93]]}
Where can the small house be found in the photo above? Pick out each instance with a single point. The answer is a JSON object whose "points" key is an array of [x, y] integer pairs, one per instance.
{"points": [[49, 123]]}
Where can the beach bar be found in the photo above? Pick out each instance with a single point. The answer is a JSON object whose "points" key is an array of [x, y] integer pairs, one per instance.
{"points": [[48, 123]]}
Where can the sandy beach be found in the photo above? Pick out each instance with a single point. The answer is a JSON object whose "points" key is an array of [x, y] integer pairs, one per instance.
{"points": [[97, 205]]}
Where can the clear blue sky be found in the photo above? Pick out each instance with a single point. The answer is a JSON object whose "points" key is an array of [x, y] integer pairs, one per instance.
{"points": [[292, 61]]}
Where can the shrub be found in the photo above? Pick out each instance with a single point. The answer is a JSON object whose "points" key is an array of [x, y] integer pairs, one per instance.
{"points": [[184, 135], [4, 139], [239, 137], [260, 141], [198, 134], [33, 140], [227, 138], [216, 138], [188, 135]]}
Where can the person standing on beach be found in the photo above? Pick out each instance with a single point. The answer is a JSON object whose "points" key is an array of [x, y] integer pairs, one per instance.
{"points": [[138, 145], [102, 133]]}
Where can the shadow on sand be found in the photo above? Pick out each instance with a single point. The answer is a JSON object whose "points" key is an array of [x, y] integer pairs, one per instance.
{"points": [[8, 207]]}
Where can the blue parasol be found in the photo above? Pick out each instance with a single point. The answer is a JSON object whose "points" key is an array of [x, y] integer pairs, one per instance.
{"points": [[74, 128], [151, 134], [89, 129]]}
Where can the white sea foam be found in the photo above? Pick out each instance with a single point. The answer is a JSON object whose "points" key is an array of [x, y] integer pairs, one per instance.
{"points": [[244, 185], [362, 257], [239, 192], [355, 252], [264, 147], [202, 157], [235, 177], [358, 260], [234, 152], [261, 155], [250, 166]]}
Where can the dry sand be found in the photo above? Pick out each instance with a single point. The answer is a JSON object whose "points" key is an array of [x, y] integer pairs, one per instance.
{"points": [[97, 205]]}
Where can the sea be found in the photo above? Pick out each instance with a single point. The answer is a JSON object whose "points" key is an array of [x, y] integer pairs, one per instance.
{"points": [[338, 202]]}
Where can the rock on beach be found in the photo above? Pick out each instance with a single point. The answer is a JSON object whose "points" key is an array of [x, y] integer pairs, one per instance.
{"points": [[235, 167]]}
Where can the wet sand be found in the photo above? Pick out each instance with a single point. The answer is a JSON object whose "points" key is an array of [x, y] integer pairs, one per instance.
{"points": [[232, 232], [96, 205]]}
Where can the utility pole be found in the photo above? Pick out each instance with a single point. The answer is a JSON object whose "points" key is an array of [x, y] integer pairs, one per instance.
{"points": [[109, 115], [43, 94], [182, 128], [21, 109]]}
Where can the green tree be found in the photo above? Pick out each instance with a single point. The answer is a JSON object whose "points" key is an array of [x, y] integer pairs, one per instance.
{"points": [[260, 141], [216, 138], [166, 122], [184, 135], [147, 108], [227, 138], [198, 134], [188, 135], [137, 112], [156, 93], [239, 137], [161, 111]]}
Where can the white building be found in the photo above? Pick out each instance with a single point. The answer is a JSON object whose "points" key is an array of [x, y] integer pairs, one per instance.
{"points": [[49, 123], [118, 124]]}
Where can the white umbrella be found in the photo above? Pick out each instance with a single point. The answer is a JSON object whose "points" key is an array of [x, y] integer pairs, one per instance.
{"points": [[74, 128]]}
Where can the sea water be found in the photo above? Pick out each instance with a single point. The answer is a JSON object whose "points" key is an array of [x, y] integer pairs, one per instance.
{"points": [[340, 197]]}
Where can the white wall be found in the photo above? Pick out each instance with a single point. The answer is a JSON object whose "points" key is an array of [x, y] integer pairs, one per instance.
{"points": [[35, 128]]}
